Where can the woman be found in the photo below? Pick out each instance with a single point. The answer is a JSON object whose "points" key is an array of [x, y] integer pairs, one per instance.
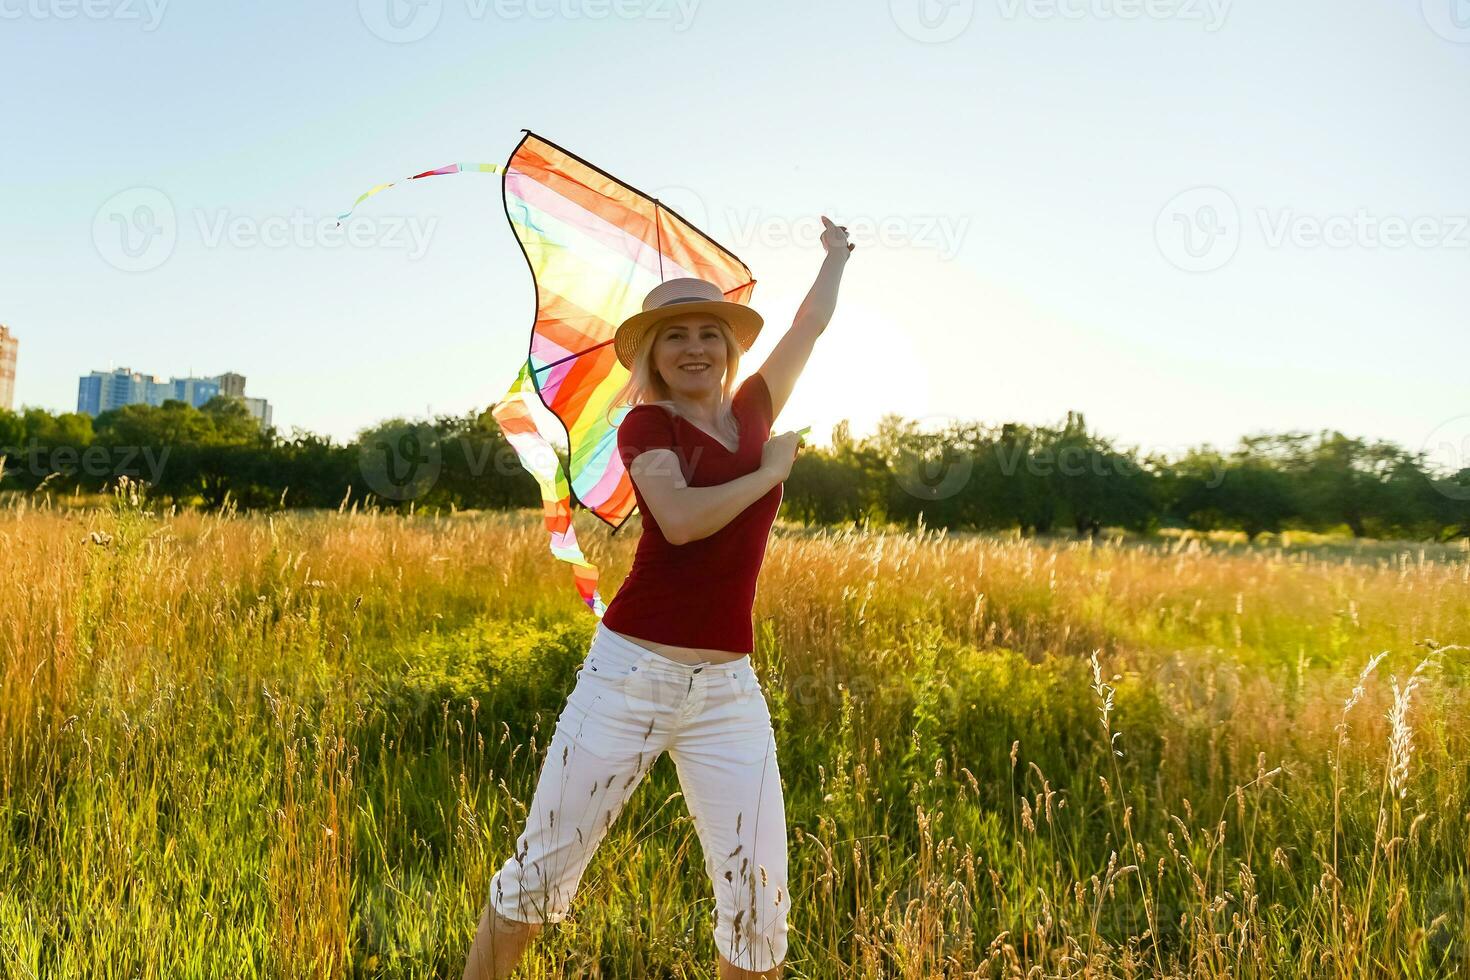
{"points": [[669, 668]]}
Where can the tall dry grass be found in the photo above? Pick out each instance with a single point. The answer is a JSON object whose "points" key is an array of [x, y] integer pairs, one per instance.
{"points": [[298, 745]]}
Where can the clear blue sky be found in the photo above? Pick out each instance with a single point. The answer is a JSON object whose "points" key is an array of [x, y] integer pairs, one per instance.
{"points": [[1025, 172]]}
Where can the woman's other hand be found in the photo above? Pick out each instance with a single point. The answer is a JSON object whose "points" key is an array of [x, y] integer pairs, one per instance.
{"points": [[779, 453]]}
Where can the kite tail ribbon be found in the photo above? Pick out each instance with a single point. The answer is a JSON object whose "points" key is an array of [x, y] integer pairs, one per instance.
{"points": [[518, 423], [453, 168], [542, 461]]}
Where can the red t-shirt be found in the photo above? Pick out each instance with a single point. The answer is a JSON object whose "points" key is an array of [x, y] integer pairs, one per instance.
{"points": [[698, 594]]}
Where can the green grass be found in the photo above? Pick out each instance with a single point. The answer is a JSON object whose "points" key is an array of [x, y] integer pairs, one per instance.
{"points": [[299, 746]]}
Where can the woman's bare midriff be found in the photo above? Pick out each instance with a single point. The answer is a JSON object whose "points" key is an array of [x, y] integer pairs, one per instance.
{"points": [[684, 655]]}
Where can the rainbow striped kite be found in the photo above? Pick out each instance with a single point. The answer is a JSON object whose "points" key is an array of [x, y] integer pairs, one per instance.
{"points": [[595, 246]]}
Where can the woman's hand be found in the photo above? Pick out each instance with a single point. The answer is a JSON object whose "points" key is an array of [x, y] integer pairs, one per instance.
{"points": [[779, 453], [834, 238]]}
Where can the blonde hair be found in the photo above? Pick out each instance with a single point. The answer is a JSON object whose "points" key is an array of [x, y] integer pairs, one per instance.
{"points": [[645, 386]]}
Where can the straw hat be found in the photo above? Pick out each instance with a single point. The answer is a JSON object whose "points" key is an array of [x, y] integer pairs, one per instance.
{"points": [[675, 298]]}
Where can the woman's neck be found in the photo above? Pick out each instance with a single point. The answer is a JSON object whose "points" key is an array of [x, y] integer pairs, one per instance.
{"points": [[707, 414], [704, 410]]}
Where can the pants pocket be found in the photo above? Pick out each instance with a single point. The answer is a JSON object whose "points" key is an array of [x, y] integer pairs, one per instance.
{"points": [[747, 685], [604, 712], [609, 673]]}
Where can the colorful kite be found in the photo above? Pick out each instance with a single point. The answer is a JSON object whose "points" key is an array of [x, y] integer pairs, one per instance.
{"points": [[595, 246]]}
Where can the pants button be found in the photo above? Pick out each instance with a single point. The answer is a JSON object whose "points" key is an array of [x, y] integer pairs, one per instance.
{"points": [[698, 669]]}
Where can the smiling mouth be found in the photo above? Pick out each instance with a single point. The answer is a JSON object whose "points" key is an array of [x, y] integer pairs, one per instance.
{"points": [[694, 368]]}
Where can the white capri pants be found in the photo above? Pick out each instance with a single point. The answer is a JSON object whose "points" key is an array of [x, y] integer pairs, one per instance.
{"points": [[629, 705]]}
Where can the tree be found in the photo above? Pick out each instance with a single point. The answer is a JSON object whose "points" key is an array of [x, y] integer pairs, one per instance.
{"points": [[1095, 484], [12, 431], [70, 429], [232, 422], [1256, 496], [1346, 481], [174, 424]]}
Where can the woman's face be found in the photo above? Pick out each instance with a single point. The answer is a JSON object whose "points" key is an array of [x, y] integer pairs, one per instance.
{"points": [[682, 345]]}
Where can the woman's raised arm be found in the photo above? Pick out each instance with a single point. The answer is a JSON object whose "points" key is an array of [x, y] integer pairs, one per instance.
{"points": [[788, 359]]}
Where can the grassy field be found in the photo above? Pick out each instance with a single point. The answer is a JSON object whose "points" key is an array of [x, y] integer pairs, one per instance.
{"points": [[299, 745]]}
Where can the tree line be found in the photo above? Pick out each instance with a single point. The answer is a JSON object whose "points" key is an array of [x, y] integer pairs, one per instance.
{"points": [[965, 476]]}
